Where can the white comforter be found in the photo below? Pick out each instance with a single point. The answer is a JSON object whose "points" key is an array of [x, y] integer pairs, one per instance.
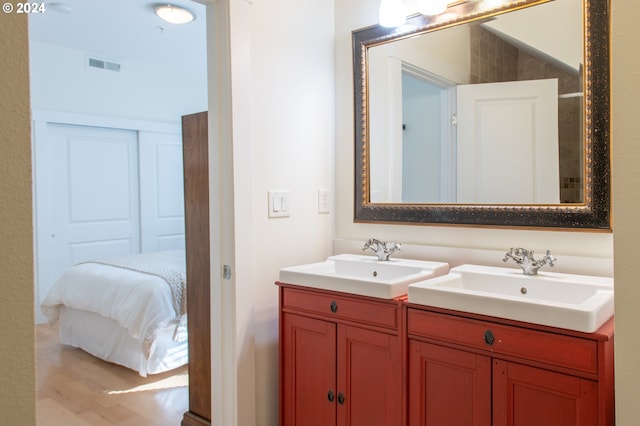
{"points": [[140, 302]]}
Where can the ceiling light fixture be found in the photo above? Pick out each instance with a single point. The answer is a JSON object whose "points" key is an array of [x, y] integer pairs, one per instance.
{"points": [[60, 7], [174, 14]]}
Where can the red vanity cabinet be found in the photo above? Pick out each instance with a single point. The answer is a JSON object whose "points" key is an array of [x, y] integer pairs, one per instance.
{"points": [[448, 386], [341, 359], [474, 370]]}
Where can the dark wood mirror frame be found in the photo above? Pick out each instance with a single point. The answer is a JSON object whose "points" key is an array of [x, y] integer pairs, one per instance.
{"points": [[593, 214]]}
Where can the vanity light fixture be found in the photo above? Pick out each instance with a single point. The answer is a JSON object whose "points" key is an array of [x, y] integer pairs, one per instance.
{"points": [[490, 4], [432, 7], [393, 14], [174, 14]]}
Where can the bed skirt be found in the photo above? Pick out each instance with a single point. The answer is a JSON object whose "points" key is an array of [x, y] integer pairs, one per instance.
{"points": [[79, 328]]}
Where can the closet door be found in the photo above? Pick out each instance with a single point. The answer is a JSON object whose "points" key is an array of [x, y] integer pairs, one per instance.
{"points": [[161, 191], [87, 196]]}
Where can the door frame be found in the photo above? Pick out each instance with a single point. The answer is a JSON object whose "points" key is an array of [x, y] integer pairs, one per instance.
{"points": [[448, 136]]}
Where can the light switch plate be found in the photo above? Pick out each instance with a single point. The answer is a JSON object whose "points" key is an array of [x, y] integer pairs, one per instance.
{"points": [[279, 203]]}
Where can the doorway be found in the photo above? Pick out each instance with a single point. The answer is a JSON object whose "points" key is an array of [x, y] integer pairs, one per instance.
{"points": [[426, 138], [65, 80]]}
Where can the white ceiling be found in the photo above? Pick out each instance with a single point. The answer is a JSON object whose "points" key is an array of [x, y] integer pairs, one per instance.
{"points": [[124, 30]]}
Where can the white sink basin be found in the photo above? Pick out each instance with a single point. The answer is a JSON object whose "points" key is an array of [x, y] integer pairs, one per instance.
{"points": [[364, 275], [575, 302]]}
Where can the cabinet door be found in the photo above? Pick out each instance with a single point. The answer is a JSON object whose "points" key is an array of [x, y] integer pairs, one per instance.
{"points": [[309, 376], [526, 396], [369, 378], [448, 386]]}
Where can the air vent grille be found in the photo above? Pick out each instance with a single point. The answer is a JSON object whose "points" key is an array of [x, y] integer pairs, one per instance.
{"points": [[105, 65]]}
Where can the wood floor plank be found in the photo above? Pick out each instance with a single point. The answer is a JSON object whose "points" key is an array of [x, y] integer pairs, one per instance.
{"points": [[49, 412], [75, 388]]}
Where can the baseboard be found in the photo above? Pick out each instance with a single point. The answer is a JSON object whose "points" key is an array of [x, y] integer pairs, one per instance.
{"points": [[191, 419]]}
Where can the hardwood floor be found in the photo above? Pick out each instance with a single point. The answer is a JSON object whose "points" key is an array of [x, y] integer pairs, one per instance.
{"points": [[77, 389]]}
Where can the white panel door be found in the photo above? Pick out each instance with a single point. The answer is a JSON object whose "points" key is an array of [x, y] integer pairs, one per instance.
{"points": [[161, 191], [87, 200], [508, 143]]}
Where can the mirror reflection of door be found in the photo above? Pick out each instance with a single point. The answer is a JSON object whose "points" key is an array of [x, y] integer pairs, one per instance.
{"points": [[409, 107], [488, 143], [426, 140], [508, 143], [507, 138]]}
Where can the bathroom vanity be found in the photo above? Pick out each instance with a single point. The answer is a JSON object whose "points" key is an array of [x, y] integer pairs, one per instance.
{"points": [[342, 338], [470, 345], [475, 370], [341, 358]]}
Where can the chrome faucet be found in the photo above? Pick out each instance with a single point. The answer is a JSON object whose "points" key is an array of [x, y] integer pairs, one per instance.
{"points": [[524, 259], [382, 249]]}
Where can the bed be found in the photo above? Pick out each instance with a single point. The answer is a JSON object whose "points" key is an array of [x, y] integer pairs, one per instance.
{"points": [[129, 311]]}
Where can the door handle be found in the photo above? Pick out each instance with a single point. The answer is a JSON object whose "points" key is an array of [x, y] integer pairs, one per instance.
{"points": [[331, 396]]}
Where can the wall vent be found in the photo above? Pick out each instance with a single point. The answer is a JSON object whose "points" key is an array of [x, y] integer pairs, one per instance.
{"points": [[105, 65]]}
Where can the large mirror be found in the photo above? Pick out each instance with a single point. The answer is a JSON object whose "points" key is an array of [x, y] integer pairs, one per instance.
{"points": [[492, 113]]}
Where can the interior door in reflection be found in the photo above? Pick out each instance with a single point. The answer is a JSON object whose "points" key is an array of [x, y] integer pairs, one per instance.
{"points": [[507, 149], [425, 141]]}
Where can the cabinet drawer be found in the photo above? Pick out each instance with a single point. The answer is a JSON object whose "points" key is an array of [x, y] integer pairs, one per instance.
{"points": [[335, 306], [549, 348]]}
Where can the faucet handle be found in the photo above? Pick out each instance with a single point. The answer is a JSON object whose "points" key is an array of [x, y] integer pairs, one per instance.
{"points": [[549, 258], [393, 246], [371, 243], [514, 254]]}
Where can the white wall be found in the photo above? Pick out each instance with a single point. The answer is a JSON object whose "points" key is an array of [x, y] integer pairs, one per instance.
{"points": [[61, 80], [283, 138], [361, 13]]}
